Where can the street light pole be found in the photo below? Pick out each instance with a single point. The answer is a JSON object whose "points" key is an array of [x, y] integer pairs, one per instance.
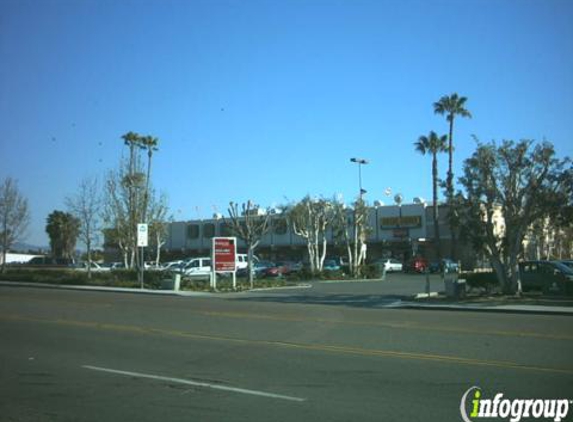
{"points": [[360, 161]]}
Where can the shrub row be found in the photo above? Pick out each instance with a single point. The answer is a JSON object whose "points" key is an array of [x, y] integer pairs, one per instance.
{"points": [[483, 280], [116, 278], [366, 271]]}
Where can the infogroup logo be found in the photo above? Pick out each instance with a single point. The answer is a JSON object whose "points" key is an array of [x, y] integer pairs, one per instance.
{"points": [[514, 409]]}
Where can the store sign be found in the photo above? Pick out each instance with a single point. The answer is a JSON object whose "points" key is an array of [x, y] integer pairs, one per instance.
{"points": [[225, 254], [410, 221]]}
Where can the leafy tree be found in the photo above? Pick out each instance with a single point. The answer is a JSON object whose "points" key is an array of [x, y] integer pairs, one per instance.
{"points": [[249, 226], [63, 229], [85, 205], [433, 144], [14, 216], [508, 188], [310, 219], [451, 106]]}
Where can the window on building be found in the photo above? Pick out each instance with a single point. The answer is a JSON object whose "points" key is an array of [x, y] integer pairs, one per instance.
{"points": [[193, 231], [280, 226], [209, 230], [225, 229]]}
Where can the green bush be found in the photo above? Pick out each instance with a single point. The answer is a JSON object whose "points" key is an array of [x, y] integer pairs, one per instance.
{"points": [[226, 284], [65, 276], [371, 271], [482, 280]]}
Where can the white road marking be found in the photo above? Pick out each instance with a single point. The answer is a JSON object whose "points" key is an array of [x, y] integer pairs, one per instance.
{"points": [[194, 383]]}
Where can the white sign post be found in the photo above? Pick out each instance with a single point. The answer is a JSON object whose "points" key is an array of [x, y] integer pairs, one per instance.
{"points": [[142, 240], [142, 235]]}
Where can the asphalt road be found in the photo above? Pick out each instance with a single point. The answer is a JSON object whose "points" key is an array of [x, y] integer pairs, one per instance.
{"points": [[331, 353]]}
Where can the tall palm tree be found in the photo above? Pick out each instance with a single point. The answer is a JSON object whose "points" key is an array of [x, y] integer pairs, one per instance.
{"points": [[132, 180], [433, 144], [451, 106], [150, 144], [132, 140]]}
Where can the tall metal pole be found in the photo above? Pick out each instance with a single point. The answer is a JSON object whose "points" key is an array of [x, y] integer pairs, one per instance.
{"points": [[360, 161], [360, 178]]}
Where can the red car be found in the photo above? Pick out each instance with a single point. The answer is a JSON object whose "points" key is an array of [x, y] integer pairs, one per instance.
{"points": [[417, 265], [281, 269]]}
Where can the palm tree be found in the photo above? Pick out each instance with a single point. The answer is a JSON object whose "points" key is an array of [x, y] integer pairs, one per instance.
{"points": [[451, 106], [132, 140], [63, 229], [433, 144], [150, 144], [133, 180]]}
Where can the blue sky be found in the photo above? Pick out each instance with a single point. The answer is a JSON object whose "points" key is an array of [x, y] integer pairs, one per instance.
{"points": [[268, 100]]}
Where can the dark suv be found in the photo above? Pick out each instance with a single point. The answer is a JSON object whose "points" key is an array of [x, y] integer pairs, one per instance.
{"points": [[551, 277]]}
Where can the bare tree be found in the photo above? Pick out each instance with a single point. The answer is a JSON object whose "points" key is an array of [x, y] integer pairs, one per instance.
{"points": [[86, 205], [14, 216], [118, 215], [249, 226], [350, 226], [310, 219], [158, 218]]}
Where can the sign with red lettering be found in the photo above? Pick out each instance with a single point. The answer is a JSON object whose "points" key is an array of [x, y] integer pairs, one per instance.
{"points": [[224, 254]]}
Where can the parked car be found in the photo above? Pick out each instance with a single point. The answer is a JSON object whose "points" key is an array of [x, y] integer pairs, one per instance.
{"points": [[243, 261], [172, 266], [389, 264], [198, 267], [445, 264], [283, 268], [94, 267], [331, 265], [548, 276], [258, 268], [417, 265], [567, 262]]}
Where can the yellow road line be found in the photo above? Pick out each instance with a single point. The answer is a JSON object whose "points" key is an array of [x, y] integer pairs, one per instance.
{"points": [[401, 326], [381, 324], [301, 346]]}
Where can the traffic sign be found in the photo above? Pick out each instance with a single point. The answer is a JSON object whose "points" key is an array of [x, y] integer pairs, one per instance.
{"points": [[142, 235]]}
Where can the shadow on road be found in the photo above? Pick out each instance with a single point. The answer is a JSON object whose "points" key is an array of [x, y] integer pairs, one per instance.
{"points": [[351, 300]]}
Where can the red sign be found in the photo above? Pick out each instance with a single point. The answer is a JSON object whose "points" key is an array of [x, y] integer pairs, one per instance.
{"points": [[224, 254]]}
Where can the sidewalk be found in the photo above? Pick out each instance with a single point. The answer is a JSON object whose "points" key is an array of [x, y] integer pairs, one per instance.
{"points": [[491, 306]]}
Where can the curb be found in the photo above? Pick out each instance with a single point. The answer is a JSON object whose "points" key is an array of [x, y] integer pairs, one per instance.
{"points": [[102, 289], [502, 309], [181, 293]]}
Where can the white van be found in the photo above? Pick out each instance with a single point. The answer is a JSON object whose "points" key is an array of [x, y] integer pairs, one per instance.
{"points": [[198, 267], [202, 266]]}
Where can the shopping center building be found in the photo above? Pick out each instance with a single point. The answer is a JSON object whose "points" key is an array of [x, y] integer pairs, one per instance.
{"points": [[398, 231]]}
